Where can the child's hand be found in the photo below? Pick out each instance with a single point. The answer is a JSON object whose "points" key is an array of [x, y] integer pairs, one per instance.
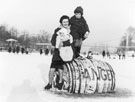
{"points": [[86, 35]]}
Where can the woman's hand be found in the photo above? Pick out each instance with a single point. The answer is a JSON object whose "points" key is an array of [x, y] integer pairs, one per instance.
{"points": [[61, 44]]}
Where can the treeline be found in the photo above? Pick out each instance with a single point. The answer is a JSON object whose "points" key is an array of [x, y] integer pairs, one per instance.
{"points": [[27, 39], [128, 40], [23, 37]]}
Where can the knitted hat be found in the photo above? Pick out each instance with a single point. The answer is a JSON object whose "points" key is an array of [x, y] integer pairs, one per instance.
{"points": [[79, 9]]}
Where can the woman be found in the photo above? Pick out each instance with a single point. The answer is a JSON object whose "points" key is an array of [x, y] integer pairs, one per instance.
{"points": [[57, 42]]}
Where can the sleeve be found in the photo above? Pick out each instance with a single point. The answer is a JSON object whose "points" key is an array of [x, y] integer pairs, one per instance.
{"points": [[71, 20], [53, 40], [54, 36], [57, 42], [86, 26], [71, 39]]}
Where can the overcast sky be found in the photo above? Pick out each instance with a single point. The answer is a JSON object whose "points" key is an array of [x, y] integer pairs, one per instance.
{"points": [[107, 19]]}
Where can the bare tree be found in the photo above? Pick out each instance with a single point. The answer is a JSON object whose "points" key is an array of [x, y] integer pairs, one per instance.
{"points": [[128, 39], [4, 33], [14, 32]]}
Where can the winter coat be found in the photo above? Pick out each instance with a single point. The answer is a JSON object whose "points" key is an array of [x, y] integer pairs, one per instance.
{"points": [[78, 27]]}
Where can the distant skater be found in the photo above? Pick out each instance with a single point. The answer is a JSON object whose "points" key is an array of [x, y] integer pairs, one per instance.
{"points": [[103, 53], [41, 51]]}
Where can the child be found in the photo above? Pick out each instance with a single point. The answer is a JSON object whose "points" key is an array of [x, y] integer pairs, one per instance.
{"points": [[89, 56], [79, 30]]}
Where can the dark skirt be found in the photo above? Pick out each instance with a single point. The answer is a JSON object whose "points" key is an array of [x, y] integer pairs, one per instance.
{"points": [[57, 65], [57, 62]]}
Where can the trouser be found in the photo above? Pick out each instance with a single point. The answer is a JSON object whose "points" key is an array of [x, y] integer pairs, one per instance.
{"points": [[77, 47], [77, 51]]}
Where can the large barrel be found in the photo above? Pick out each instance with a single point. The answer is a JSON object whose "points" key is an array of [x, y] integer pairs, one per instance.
{"points": [[88, 76]]}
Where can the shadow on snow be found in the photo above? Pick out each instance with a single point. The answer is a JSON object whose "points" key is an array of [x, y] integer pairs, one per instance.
{"points": [[119, 93]]}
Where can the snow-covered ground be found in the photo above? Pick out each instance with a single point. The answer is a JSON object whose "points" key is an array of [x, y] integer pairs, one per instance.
{"points": [[23, 77]]}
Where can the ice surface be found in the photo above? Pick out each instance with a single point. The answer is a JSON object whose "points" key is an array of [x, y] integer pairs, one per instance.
{"points": [[23, 77]]}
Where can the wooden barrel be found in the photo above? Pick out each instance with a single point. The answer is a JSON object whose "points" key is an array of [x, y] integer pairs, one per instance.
{"points": [[88, 76]]}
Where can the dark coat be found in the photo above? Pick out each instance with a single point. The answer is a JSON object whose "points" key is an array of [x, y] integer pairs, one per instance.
{"points": [[78, 27], [56, 56]]}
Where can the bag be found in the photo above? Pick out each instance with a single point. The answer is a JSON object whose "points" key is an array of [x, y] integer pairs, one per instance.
{"points": [[78, 42], [66, 53]]}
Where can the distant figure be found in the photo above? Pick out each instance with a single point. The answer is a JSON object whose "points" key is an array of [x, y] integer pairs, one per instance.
{"points": [[120, 54], [14, 50], [9, 49], [22, 50], [85, 54], [17, 49], [108, 54], [52, 51], [46, 51], [103, 53], [89, 56], [123, 55], [0, 49], [41, 51], [26, 50]]}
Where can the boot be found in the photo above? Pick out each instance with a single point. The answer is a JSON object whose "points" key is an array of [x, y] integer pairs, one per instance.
{"points": [[48, 86], [59, 85]]}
